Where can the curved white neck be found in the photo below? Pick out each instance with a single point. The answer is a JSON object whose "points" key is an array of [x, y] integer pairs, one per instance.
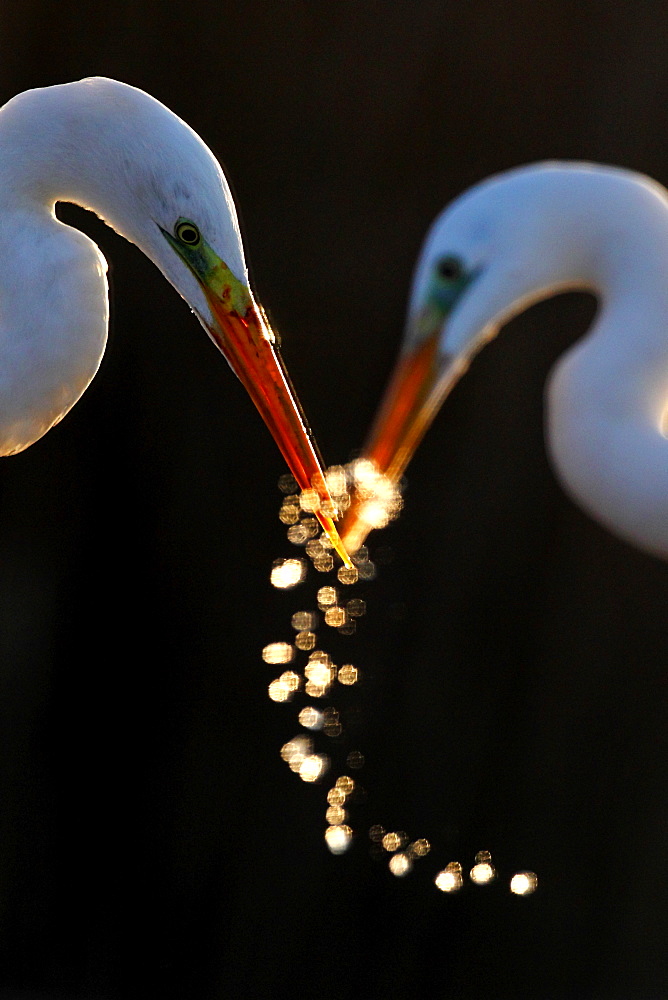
{"points": [[608, 395]]}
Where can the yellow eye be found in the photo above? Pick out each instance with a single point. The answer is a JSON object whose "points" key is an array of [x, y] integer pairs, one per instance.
{"points": [[188, 233]]}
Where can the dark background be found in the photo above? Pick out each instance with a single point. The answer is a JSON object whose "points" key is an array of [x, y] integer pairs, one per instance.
{"points": [[152, 842]]}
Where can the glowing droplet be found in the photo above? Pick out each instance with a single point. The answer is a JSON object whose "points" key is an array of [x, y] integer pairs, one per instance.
{"points": [[278, 652], [287, 483], [324, 563], [310, 718], [315, 549], [483, 873], [313, 767], [378, 496], [326, 597], [310, 526], [419, 848], [347, 575], [400, 865], [393, 841], [295, 750], [336, 797], [314, 690], [335, 617], [348, 674], [291, 680], [523, 883], [355, 759], [303, 621], [356, 608], [376, 833], [305, 640], [336, 479], [367, 571], [325, 541], [450, 879], [338, 838], [345, 783], [290, 510], [320, 671], [297, 534], [287, 573], [279, 691], [319, 656], [335, 815], [309, 500]]}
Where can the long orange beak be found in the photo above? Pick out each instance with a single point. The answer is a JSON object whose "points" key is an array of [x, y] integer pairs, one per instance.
{"points": [[249, 344], [421, 381]]}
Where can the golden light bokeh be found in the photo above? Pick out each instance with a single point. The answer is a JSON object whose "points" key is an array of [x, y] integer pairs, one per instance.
{"points": [[376, 501], [335, 616], [296, 750], [309, 500], [523, 883], [298, 534], [320, 673], [338, 838], [337, 481], [336, 815], [305, 640], [394, 841], [288, 484], [324, 563], [400, 865], [347, 575], [290, 510], [332, 726], [345, 784], [279, 691], [348, 674], [419, 848], [326, 597], [451, 878], [356, 607], [482, 874], [304, 621], [278, 652], [311, 718], [287, 573], [483, 871], [313, 767]]}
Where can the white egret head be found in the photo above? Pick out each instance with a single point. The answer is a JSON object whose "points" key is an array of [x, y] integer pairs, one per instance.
{"points": [[117, 151], [505, 244]]}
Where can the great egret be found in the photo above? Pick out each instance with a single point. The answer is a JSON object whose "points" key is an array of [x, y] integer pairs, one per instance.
{"points": [[117, 151], [508, 242]]}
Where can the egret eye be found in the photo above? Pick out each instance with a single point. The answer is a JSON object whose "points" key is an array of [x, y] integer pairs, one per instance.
{"points": [[188, 233], [450, 269]]}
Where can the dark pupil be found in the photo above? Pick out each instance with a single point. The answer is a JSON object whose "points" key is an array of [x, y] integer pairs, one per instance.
{"points": [[188, 234], [449, 269]]}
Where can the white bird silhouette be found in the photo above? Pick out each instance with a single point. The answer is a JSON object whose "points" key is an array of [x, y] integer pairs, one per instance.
{"points": [[115, 150], [514, 239]]}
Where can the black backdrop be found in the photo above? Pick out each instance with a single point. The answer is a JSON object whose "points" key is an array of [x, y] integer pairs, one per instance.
{"points": [[152, 842]]}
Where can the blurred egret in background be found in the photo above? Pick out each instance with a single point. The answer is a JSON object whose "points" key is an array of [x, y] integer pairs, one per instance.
{"points": [[508, 242], [117, 151]]}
